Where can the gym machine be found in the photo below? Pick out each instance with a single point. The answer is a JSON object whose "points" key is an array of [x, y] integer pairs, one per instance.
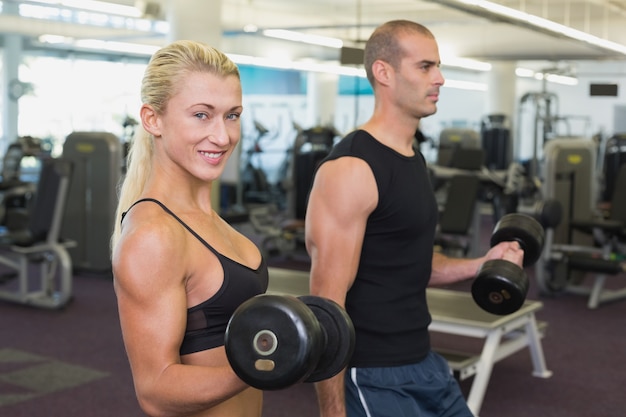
{"points": [[546, 107], [39, 246], [19, 182], [460, 192], [496, 141], [311, 147], [92, 200], [614, 157], [584, 242], [255, 186], [545, 122], [283, 233], [451, 139]]}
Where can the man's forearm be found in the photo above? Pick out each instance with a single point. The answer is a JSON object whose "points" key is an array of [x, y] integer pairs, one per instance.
{"points": [[331, 396]]}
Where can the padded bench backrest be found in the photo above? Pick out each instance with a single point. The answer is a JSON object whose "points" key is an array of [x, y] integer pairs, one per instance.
{"points": [[468, 159], [460, 204], [50, 198], [618, 202]]}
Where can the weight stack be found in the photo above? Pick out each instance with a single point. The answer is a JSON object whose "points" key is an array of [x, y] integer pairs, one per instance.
{"points": [[496, 141], [614, 157], [317, 144], [92, 198]]}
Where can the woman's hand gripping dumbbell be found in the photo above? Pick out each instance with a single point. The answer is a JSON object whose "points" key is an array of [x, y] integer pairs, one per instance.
{"points": [[501, 285]]}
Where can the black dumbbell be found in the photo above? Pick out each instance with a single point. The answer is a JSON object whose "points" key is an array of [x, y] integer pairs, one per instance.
{"points": [[275, 341], [547, 212], [500, 286]]}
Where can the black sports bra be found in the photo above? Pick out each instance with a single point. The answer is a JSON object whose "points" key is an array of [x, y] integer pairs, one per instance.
{"points": [[207, 321]]}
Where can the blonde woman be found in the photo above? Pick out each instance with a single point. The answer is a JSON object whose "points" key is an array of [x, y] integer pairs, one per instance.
{"points": [[179, 269]]}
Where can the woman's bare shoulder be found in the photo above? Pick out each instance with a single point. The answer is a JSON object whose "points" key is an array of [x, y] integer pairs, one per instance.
{"points": [[150, 240]]}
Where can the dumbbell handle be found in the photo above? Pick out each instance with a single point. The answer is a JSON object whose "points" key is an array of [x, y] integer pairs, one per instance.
{"points": [[523, 229], [514, 261]]}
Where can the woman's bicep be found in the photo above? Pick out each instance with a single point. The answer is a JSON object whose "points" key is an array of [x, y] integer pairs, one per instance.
{"points": [[152, 303]]}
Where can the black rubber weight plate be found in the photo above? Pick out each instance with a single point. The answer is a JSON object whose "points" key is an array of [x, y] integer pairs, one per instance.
{"points": [[298, 336], [523, 229], [340, 338], [501, 288]]}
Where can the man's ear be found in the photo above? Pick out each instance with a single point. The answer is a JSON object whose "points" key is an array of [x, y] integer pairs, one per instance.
{"points": [[382, 71], [150, 120]]}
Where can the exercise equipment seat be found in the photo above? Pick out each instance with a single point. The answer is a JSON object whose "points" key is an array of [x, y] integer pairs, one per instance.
{"points": [[39, 245]]}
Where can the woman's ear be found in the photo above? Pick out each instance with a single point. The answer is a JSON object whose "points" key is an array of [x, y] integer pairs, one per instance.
{"points": [[150, 120]]}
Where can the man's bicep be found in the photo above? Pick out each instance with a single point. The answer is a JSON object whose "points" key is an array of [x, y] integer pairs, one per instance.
{"points": [[339, 205]]}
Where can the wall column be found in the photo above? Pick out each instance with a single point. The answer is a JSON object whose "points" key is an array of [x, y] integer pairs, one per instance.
{"points": [[198, 20], [501, 93], [11, 84], [321, 98], [501, 98]]}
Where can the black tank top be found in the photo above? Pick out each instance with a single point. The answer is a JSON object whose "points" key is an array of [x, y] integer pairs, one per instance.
{"points": [[387, 301], [207, 322]]}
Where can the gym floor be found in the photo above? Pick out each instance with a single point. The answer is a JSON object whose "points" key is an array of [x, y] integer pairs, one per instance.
{"points": [[72, 362]]}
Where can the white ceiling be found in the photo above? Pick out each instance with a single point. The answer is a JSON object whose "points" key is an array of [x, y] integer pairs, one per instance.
{"points": [[460, 33], [466, 34]]}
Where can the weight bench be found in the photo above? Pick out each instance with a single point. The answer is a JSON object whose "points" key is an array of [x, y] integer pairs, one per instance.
{"points": [[456, 313], [38, 246], [465, 364]]}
